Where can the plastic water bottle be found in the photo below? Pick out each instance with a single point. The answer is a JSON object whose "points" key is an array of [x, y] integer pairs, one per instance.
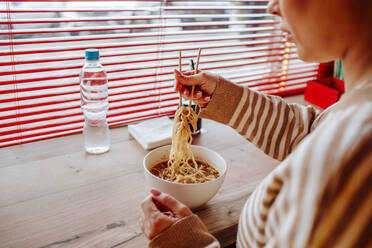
{"points": [[94, 104]]}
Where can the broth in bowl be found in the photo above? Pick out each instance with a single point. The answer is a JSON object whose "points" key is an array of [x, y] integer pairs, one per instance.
{"points": [[186, 174], [192, 195]]}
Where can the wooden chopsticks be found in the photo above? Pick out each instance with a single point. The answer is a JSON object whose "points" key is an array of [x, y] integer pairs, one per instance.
{"points": [[195, 72], [180, 69]]}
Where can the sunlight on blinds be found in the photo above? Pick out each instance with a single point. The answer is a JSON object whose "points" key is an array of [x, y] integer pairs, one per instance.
{"points": [[42, 45]]}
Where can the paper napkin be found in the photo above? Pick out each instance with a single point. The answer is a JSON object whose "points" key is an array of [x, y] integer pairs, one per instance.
{"points": [[153, 132]]}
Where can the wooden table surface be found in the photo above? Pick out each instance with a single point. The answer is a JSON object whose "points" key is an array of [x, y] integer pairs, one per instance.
{"points": [[53, 194]]}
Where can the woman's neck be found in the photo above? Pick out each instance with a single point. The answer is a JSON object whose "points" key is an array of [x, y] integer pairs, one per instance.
{"points": [[357, 61]]}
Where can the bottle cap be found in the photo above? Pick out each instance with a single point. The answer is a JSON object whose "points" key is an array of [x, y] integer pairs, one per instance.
{"points": [[92, 54]]}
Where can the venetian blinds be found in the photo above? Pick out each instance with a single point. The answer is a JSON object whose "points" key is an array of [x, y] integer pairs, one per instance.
{"points": [[42, 45]]}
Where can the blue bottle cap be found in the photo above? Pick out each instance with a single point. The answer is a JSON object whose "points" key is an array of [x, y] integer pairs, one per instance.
{"points": [[92, 54]]}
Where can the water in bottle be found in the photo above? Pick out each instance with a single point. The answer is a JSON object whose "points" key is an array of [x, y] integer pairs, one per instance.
{"points": [[94, 103]]}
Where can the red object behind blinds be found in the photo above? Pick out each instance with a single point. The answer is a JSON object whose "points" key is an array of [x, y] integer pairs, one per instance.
{"points": [[325, 90], [320, 94], [41, 53]]}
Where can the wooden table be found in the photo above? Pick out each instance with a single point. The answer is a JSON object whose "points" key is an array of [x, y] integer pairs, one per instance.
{"points": [[53, 194]]}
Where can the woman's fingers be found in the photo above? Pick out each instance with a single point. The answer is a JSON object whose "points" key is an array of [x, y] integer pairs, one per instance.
{"points": [[185, 93], [198, 94], [178, 208], [199, 98], [152, 220], [189, 73], [148, 207], [159, 211], [167, 201], [204, 81], [206, 99], [155, 192], [188, 80], [177, 87]]}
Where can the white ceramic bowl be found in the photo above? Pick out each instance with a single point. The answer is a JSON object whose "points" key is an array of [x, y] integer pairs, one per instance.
{"points": [[192, 195]]}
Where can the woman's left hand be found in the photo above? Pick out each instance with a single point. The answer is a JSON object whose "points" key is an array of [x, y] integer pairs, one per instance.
{"points": [[160, 211]]}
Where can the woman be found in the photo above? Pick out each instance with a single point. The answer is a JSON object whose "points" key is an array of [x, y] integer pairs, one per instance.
{"points": [[321, 193]]}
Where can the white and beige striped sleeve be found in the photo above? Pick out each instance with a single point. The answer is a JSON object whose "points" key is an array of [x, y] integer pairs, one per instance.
{"points": [[273, 125], [321, 196]]}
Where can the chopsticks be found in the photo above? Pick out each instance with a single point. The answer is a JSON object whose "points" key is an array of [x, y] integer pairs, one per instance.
{"points": [[195, 72], [180, 69]]}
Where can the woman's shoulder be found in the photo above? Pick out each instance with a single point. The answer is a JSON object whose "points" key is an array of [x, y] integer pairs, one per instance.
{"points": [[344, 135], [359, 100], [346, 127]]}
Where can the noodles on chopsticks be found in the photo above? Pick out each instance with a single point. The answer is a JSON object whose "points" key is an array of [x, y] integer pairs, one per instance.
{"points": [[182, 166]]}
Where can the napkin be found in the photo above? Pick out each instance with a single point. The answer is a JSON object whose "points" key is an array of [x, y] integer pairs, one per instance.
{"points": [[153, 132]]}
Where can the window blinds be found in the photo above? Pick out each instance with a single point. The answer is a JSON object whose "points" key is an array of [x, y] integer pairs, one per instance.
{"points": [[42, 45]]}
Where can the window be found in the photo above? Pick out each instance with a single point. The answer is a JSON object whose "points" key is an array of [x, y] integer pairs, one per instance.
{"points": [[42, 45]]}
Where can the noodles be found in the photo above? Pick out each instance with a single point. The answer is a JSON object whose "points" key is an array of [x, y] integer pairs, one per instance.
{"points": [[181, 166], [208, 170]]}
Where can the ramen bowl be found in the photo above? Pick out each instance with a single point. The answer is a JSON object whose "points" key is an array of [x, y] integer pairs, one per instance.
{"points": [[192, 195]]}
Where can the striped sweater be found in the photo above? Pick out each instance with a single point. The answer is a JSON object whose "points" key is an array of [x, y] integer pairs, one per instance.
{"points": [[321, 193]]}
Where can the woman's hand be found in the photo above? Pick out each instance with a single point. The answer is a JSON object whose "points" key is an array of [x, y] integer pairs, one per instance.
{"points": [[205, 84], [160, 211]]}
